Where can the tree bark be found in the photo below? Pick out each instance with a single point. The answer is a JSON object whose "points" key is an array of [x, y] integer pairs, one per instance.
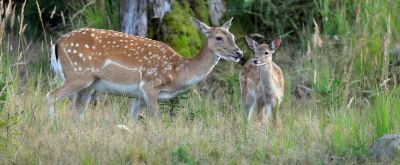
{"points": [[134, 17], [216, 9], [160, 7]]}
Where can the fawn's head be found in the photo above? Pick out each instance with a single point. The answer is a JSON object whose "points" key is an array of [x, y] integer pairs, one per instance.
{"points": [[263, 52], [220, 40]]}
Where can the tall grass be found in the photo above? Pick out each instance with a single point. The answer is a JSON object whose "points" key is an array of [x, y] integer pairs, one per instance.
{"points": [[349, 107]]}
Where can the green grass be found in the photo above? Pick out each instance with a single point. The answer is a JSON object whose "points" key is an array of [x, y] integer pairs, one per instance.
{"points": [[348, 109]]}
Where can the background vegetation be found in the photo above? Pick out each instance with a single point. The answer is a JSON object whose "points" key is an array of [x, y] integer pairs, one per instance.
{"points": [[340, 59]]}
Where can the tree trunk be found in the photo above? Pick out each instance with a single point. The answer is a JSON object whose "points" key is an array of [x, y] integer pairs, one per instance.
{"points": [[134, 14], [160, 7], [134, 17], [216, 9]]}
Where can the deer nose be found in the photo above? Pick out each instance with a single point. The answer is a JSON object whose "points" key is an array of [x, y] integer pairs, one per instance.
{"points": [[238, 52]]}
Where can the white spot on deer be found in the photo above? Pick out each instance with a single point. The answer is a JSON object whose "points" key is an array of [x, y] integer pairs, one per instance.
{"points": [[74, 51], [108, 42], [90, 57], [86, 46], [94, 47], [92, 35], [79, 68], [169, 67], [83, 32], [69, 50], [149, 53], [126, 46], [80, 55], [114, 42], [75, 63]]}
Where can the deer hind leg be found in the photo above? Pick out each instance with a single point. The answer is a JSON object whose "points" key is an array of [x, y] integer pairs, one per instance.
{"points": [[64, 90], [82, 99]]}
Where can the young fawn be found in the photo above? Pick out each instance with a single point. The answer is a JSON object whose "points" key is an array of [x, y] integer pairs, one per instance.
{"points": [[108, 61], [261, 81]]}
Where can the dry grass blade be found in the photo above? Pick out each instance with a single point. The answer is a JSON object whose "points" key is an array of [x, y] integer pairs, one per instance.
{"points": [[41, 22], [83, 9], [386, 43]]}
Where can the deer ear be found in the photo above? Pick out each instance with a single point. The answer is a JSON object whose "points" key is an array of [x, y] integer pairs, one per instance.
{"points": [[202, 27], [276, 43], [251, 43], [227, 24]]}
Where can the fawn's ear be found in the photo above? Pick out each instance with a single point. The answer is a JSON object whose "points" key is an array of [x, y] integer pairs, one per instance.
{"points": [[251, 43], [202, 27], [227, 24], [276, 43]]}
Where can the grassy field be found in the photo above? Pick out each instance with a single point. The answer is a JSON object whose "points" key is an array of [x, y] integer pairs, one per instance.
{"points": [[349, 63]]}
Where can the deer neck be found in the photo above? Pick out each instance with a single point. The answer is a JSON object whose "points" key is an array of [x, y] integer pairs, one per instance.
{"points": [[197, 68], [267, 78]]}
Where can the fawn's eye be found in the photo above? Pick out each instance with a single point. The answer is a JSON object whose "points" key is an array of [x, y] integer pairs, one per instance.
{"points": [[218, 38]]}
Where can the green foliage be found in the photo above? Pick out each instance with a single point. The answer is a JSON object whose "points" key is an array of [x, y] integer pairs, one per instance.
{"points": [[181, 34], [181, 155], [274, 18], [385, 113], [363, 26], [97, 15], [32, 18]]}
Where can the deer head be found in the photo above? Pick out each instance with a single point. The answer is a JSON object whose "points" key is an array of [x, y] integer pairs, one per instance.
{"points": [[220, 40], [263, 52]]}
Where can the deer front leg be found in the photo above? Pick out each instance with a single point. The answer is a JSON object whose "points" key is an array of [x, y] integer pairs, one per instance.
{"points": [[275, 113], [248, 103], [136, 109], [150, 95]]}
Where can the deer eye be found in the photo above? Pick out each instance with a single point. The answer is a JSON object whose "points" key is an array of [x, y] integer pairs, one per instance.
{"points": [[218, 38]]}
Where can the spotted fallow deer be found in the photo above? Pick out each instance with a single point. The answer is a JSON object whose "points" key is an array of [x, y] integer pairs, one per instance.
{"points": [[147, 70], [261, 81]]}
